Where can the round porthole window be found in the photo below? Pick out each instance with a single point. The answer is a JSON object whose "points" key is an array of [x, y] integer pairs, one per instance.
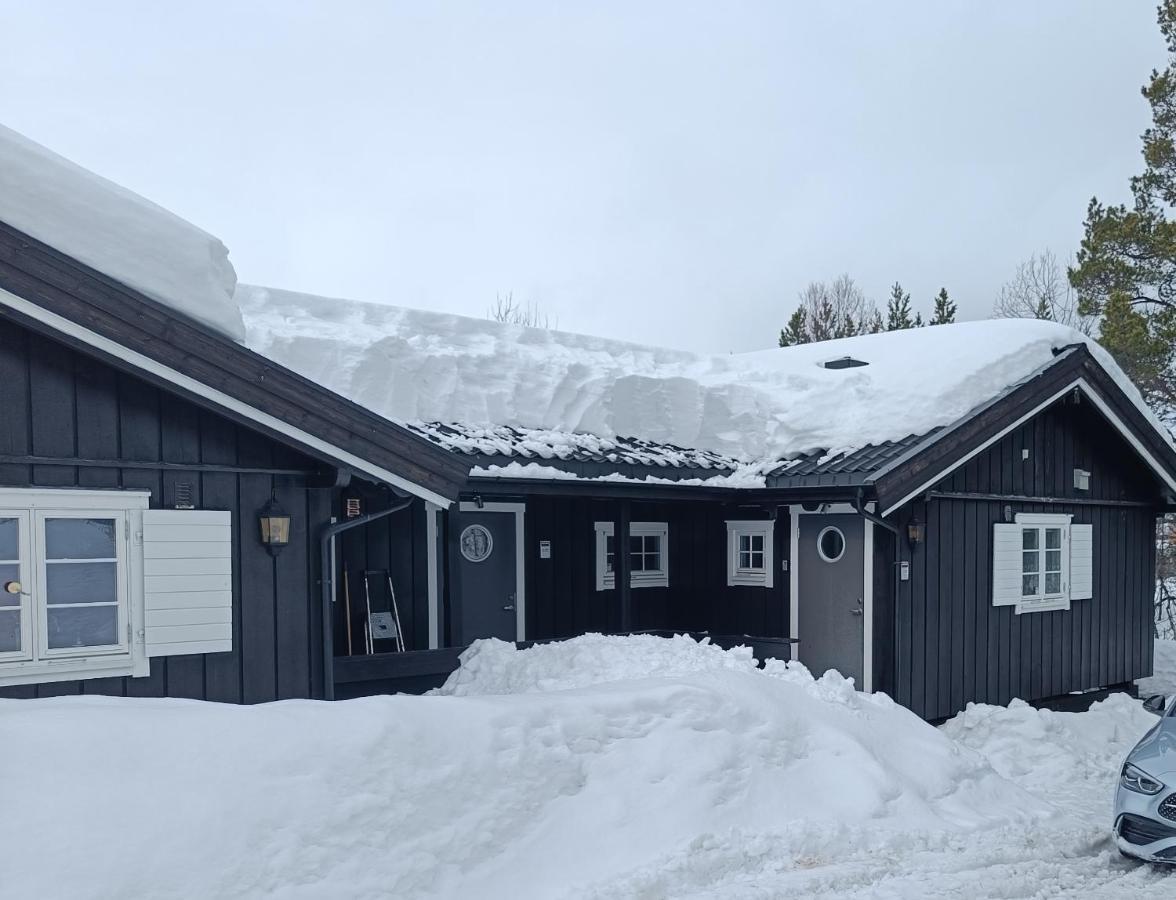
{"points": [[831, 544], [476, 543]]}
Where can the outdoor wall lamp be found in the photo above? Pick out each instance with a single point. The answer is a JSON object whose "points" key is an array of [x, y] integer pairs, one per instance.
{"points": [[275, 527], [916, 531]]}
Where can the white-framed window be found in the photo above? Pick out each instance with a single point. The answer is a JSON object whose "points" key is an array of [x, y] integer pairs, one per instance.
{"points": [[649, 562], [1041, 562], [89, 588], [749, 553]]}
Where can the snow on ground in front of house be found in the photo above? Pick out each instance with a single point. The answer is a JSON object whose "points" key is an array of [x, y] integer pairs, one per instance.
{"points": [[416, 366], [598, 767], [117, 232], [1163, 680]]}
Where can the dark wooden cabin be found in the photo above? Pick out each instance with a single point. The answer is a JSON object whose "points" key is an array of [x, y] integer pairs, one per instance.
{"points": [[182, 517]]}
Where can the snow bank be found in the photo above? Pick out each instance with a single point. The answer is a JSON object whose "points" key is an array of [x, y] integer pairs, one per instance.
{"points": [[416, 366], [118, 233], [1163, 680], [546, 793], [492, 666]]}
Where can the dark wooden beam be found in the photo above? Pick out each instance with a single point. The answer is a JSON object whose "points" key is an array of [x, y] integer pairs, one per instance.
{"points": [[622, 563]]}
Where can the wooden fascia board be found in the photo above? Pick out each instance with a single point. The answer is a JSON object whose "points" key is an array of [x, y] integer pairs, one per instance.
{"points": [[48, 279]]}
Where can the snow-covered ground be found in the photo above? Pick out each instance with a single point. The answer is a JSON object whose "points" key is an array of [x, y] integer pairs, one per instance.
{"points": [[599, 767]]}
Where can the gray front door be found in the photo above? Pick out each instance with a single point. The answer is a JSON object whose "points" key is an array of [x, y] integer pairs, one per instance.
{"points": [[484, 576], [829, 594]]}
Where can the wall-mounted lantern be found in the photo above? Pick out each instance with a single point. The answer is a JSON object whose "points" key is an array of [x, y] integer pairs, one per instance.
{"points": [[916, 532], [275, 527]]}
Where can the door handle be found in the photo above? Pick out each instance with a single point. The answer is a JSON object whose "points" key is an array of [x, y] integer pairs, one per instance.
{"points": [[508, 608], [858, 610]]}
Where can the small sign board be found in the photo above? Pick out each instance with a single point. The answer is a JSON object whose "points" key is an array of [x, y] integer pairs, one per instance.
{"points": [[545, 549], [383, 626]]}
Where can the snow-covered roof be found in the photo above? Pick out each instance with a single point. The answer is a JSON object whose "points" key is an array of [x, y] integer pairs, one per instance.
{"points": [[414, 366], [117, 232]]}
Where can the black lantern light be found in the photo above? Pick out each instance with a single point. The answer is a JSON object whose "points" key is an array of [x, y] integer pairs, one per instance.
{"points": [[916, 531], [275, 526]]}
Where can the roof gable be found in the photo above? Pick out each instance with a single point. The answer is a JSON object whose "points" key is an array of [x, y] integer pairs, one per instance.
{"points": [[46, 291]]}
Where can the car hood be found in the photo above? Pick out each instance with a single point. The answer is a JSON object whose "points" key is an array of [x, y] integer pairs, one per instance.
{"points": [[1156, 753]]}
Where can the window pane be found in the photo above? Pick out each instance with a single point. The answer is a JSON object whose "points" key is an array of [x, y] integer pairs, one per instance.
{"points": [[745, 559], [9, 539], [81, 583], [1029, 539], [636, 543], [1053, 583], [9, 572], [1053, 538], [1029, 561], [1053, 560], [757, 560], [9, 630], [1029, 585], [653, 562], [79, 538], [637, 562], [744, 543], [757, 542], [82, 627]]}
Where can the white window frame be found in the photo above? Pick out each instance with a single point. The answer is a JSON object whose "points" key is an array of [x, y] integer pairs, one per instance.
{"points": [[1044, 601], [754, 576], [36, 663], [606, 580]]}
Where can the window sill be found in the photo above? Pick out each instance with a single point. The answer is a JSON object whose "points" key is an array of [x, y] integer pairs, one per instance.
{"points": [[72, 669], [634, 583]]}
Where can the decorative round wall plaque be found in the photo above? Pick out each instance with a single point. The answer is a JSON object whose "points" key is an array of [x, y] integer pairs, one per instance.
{"points": [[476, 543]]}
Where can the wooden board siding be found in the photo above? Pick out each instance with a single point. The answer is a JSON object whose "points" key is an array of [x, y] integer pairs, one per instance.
{"points": [[60, 403], [562, 600], [951, 646]]}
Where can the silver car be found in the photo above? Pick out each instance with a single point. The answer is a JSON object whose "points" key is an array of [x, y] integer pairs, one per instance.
{"points": [[1145, 803]]}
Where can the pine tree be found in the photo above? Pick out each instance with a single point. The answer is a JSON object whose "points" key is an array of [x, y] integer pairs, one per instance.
{"points": [[797, 330], [945, 310], [918, 320], [898, 309], [1126, 264], [824, 325]]}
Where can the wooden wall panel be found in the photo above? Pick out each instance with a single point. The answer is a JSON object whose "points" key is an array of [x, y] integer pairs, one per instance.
{"points": [[65, 404]]}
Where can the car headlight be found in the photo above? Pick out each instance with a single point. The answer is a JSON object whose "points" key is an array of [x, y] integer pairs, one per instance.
{"points": [[1135, 779]]}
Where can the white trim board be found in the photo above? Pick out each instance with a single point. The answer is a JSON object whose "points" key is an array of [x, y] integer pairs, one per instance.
{"points": [[519, 510], [187, 383], [1078, 383], [432, 575]]}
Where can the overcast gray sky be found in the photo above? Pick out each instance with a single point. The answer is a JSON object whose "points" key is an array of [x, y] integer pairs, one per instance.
{"points": [[664, 172]]}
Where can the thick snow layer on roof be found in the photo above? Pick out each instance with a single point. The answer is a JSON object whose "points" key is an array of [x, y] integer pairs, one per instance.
{"points": [[117, 232], [416, 366]]}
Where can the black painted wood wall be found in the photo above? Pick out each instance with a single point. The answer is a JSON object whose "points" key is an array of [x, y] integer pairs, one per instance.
{"points": [[59, 403], [396, 544], [562, 600], [950, 645]]}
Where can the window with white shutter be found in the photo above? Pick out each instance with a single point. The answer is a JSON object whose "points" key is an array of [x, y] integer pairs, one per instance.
{"points": [[1041, 562], [93, 583]]}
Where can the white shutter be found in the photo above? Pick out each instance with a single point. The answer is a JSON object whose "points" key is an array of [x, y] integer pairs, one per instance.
{"points": [[1006, 565], [1081, 562], [187, 581]]}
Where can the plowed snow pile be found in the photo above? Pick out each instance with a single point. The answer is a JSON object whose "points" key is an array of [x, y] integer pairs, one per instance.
{"points": [[546, 793]]}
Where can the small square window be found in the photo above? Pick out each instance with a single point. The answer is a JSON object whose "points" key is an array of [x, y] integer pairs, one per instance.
{"points": [[648, 563], [749, 556]]}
